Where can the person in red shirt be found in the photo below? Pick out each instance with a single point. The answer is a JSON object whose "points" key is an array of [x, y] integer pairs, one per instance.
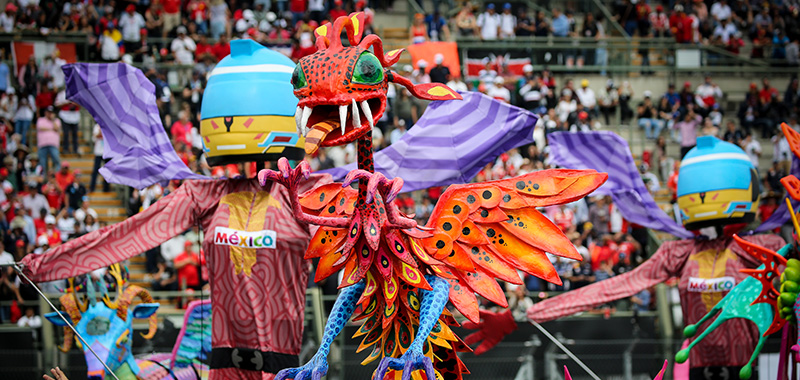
{"points": [[222, 48], [337, 10], [681, 26], [203, 49], [172, 15], [298, 9], [65, 176], [46, 98], [186, 265], [51, 232], [767, 91], [53, 194], [181, 128]]}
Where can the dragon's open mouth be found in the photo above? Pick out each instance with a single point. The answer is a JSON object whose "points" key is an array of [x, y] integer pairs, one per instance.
{"points": [[329, 124]]}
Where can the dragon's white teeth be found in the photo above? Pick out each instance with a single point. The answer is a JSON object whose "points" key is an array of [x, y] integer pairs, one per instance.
{"points": [[343, 118], [297, 116], [356, 115], [304, 119], [368, 113]]}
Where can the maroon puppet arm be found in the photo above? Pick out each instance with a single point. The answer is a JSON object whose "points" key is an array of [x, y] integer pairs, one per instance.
{"points": [[491, 330], [165, 219], [665, 263], [292, 179]]}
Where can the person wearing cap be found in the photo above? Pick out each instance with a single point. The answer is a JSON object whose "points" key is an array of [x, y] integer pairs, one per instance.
{"points": [[439, 73], [48, 139], [508, 22], [609, 101], [8, 19], [131, 23], [499, 91], [659, 22], [647, 117], [489, 23], [51, 232], [587, 97], [420, 75], [680, 26], [183, 47], [687, 97], [110, 41], [582, 123]]}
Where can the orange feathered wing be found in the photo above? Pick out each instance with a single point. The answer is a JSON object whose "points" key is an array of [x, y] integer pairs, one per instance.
{"points": [[485, 231]]}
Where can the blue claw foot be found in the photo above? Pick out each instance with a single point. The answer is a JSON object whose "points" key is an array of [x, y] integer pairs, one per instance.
{"points": [[315, 369], [408, 363]]}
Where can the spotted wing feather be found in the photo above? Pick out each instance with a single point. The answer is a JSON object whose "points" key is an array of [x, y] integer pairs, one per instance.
{"points": [[486, 231]]}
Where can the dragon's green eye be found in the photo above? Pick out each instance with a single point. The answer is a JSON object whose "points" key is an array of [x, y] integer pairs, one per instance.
{"points": [[368, 69], [298, 78]]}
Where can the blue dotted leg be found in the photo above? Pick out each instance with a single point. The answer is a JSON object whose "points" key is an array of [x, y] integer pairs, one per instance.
{"points": [[433, 302], [342, 310]]}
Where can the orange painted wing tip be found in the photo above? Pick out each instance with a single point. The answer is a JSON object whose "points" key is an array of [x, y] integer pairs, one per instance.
{"points": [[793, 137], [792, 186]]}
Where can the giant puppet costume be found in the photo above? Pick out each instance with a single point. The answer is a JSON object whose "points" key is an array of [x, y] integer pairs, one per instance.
{"points": [[253, 245], [717, 186], [399, 276]]}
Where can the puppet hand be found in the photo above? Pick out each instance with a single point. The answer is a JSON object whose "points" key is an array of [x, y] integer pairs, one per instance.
{"points": [[285, 175], [313, 370], [378, 183], [408, 363], [492, 328]]}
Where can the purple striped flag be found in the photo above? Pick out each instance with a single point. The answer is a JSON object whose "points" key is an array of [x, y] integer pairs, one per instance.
{"points": [[607, 152], [122, 101], [452, 142]]}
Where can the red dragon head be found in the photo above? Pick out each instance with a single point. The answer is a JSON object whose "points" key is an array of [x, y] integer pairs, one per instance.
{"points": [[342, 89]]}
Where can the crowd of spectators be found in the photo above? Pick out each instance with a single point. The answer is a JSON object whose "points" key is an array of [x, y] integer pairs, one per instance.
{"points": [[44, 203], [768, 29]]}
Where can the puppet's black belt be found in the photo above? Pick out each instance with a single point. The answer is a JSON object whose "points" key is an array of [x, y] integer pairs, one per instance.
{"points": [[251, 360]]}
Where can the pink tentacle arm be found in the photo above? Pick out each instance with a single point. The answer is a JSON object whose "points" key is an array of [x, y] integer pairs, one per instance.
{"points": [[389, 188], [291, 179]]}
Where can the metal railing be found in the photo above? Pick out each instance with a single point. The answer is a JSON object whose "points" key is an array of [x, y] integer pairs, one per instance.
{"points": [[624, 55]]}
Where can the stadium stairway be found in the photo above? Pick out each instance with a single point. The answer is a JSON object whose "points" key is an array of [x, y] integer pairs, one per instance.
{"points": [[108, 205]]}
